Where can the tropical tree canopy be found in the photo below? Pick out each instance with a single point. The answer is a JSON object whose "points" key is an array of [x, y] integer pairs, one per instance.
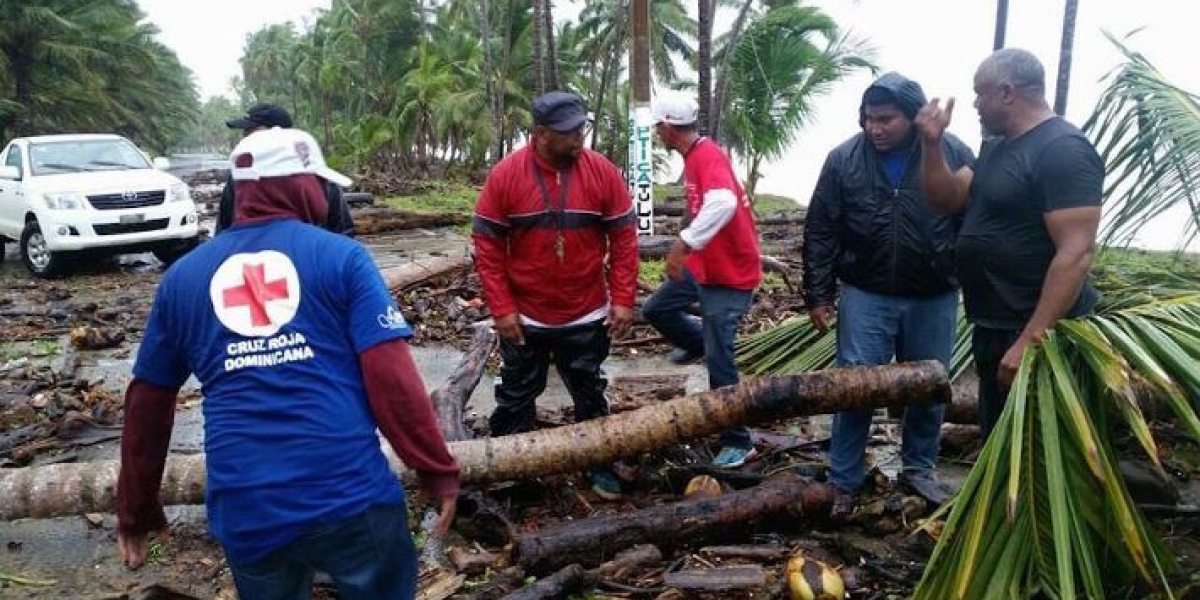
{"points": [[90, 66]]}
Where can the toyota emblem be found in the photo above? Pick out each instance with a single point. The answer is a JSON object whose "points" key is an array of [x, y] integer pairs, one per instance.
{"points": [[129, 196]]}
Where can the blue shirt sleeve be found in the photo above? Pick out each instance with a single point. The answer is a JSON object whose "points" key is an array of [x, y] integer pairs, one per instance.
{"points": [[160, 360], [374, 317]]}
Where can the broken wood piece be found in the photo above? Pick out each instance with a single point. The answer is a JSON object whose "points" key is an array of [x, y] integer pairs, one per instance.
{"points": [[450, 400], [378, 219], [68, 489], [417, 271], [588, 541], [641, 555], [471, 562], [438, 584], [569, 579], [758, 552], [730, 577], [499, 584]]}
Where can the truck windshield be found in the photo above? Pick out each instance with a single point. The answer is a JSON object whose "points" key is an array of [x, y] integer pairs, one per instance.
{"points": [[50, 158]]}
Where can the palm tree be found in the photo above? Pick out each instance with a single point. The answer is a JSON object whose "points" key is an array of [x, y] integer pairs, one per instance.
{"points": [[61, 61], [1148, 132], [707, 9], [784, 60], [1064, 57]]}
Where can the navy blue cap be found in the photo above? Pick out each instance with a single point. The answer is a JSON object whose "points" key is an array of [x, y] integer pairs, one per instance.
{"points": [[560, 111], [262, 115]]}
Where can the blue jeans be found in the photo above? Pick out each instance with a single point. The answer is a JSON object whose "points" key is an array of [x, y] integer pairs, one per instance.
{"points": [[721, 308], [368, 556], [871, 330]]}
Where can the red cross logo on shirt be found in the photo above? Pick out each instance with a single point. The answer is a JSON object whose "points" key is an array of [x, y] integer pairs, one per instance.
{"points": [[255, 292]]}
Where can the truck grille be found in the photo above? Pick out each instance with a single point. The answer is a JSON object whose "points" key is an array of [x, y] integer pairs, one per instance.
{"points": [[118, 228], [127, 200]]}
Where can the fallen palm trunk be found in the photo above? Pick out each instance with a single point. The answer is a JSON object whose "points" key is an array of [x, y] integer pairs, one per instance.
{"points": [[66, 489], [449, 400], [378, 219], [697, 521], [408, 274]]}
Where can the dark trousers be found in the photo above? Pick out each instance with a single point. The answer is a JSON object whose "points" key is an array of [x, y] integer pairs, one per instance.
{"points": [[989, 345], [577, 352], [369, 557]]}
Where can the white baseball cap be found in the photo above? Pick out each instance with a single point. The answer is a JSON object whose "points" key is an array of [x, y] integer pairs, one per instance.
{"points": [[674, 108], [279, 152]]}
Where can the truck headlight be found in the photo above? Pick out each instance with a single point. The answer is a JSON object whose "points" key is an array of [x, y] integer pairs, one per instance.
{"points": [[64, 201], [179, 192]]}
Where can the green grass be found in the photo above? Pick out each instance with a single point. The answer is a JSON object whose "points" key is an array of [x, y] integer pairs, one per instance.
{"points": [[35, 348], [1134, 259], [439, 197], [769, 204]]}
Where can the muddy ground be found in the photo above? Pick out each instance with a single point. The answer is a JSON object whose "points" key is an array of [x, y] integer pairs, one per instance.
{"points": [[67, 350]]}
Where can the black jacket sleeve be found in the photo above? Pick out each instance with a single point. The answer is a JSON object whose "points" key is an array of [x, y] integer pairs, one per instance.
{"points": [[225, 208], [823, 237], [338, 219]]}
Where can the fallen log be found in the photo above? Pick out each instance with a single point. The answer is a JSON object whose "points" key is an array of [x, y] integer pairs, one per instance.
{"points": [[450, 399], [567, 580], [417, 271], [718, 579], [67, 489], [378, 219], [588, 541]]}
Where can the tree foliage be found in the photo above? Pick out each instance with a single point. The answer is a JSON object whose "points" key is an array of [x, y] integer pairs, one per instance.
{"points": [[90, 65]]}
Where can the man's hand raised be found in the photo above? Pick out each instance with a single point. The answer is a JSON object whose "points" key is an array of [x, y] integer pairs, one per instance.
{"points": [[933, 119]]}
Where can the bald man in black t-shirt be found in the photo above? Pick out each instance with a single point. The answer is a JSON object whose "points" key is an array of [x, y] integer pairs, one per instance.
{"points": [[1031, 209]]}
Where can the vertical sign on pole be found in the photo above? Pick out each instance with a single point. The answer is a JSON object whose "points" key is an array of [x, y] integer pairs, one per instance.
{"points": [[641, 122]]}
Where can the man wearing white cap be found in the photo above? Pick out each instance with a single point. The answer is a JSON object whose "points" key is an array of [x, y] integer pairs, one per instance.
{"points": [[301, 353], [714, 262]]}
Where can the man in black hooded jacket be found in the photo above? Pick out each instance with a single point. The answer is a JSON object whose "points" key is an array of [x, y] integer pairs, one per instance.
{"points": [[869, 227]]}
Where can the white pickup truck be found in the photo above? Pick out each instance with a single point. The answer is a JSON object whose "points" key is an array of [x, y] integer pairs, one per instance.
{"points": [[61, 195]]}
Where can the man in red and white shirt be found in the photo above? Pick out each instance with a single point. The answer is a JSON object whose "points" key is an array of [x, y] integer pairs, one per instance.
{"points": [[714, 262], [556, 250]]}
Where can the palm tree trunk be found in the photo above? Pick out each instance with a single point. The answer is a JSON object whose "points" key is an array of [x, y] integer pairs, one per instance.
{"points": [[1001, 24], [721, 96], [1063, 87], [704, 63], [496, 148], [539, 68], [67, 489], [552, 79]]}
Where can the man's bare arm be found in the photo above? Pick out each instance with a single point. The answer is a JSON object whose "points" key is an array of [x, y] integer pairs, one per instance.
{"points": [[945, 190]]}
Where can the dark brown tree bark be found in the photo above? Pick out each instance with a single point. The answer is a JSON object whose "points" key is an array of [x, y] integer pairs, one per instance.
{"points": [[588, 541], [1066, 49], [449, 400], [707, 8], [567, 580]]}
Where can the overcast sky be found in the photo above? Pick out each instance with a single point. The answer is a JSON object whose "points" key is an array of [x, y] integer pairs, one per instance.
{"points": [[937, 42]]}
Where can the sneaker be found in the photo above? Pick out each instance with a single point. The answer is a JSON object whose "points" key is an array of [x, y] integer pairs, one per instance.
{"points": [[683, 356], [605, 484], [843, 507], [925, 484], [731, 457]]}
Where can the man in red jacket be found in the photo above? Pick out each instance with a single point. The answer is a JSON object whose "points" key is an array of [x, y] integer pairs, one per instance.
{"points": [[714, 262], [556, 250]]}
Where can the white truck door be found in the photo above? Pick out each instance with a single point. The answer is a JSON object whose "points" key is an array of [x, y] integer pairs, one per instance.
{"points": [[12, 196]]}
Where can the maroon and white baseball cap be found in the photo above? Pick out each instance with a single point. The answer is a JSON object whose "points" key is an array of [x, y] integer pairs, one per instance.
{"points": [[280, 152]]}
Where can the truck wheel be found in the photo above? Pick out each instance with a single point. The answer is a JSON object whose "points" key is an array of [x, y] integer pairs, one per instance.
{"points": [[37, 256], [170, 252]]}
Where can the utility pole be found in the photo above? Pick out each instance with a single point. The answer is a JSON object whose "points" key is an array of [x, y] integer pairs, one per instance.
{"points": [[641, 167]]}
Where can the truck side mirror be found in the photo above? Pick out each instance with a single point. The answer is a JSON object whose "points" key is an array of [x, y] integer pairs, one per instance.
{"points": [[162, 163], [10, 172]]}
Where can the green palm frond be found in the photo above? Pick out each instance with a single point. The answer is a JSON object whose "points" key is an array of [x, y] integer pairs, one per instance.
{"points": [[1148, 132], [1047, 477]]}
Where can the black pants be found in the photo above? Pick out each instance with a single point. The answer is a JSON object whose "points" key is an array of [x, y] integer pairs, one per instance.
{"points": [[988, 346], [577, 353]]}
